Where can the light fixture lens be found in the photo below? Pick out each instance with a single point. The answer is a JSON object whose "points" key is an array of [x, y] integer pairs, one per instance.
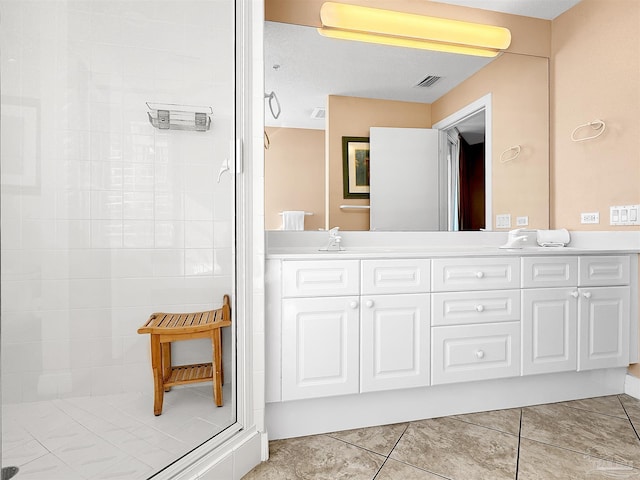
{"points": [[386, 23], [406, 42]]}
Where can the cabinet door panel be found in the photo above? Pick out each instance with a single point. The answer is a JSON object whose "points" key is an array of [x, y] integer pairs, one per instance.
{"points": [[604, 270], [395, 276], [312, 278], [549, 330], [541, 272], [603, 327], [394, 342], [319, 347]]}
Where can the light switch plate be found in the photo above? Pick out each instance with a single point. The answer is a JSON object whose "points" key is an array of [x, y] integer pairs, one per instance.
{"points": [[624, 215], [503, 221]]}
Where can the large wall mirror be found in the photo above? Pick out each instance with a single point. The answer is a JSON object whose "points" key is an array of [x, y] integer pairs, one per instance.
{"points": [[494, 110]]}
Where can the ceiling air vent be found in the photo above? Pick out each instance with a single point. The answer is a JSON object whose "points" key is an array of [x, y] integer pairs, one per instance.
{"points": [[428, 81], [318, 113]]}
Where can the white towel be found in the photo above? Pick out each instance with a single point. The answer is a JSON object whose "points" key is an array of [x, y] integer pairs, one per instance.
{"points": [[553, 238], [293, 220]]}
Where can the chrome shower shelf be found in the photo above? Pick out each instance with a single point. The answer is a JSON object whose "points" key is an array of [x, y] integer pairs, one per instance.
{"points": [[168, 116]]}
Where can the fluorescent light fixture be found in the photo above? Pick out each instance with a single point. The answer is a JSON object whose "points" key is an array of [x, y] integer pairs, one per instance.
{"points": [[372, 25]]}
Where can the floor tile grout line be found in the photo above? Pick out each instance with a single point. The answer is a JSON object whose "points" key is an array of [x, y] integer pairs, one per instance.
{"points": [[579, 452], [519, 443], [592, 411], [629, 418], [485, 426]]}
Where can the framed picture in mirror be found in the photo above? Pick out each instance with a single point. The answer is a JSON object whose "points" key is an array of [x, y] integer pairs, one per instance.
{"points": [[355, 167]]}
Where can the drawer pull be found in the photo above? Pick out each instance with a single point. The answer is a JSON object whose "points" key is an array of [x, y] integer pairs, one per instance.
{"points": [[479, 354], [369, 303], [586, 295], [575, 294], [480, 274], [353, 304], [479, 308]]}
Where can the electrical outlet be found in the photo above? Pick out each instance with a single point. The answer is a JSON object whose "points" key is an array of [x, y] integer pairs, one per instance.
{"points": [[593, 217], [503, 221], [522, 221]]}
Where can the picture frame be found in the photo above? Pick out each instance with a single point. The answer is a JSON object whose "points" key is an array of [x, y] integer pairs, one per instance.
{"points": [[355, 167]]}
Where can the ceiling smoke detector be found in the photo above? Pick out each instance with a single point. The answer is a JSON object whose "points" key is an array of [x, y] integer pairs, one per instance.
{"points": [[428, 81], [319, 113]]}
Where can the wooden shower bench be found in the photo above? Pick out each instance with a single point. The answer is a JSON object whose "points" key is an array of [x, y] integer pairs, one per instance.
{"points": [[174, 327]]}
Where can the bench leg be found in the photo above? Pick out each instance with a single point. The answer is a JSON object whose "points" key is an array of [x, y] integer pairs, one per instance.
{"points": [[217, 366], [166, 363], [158, 378]]}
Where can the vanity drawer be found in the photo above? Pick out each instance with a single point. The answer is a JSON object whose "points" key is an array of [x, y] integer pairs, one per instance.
{"points": [[317, 278], [542, 272], [459, 274], [395, 276], [603, 270], [475, 352], [475, 307]]}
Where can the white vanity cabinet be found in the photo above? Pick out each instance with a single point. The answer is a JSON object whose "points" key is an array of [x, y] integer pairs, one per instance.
{"points": [[363, 325], [604, 311], [575, 320], [475, 331], [320, 328], [549, 314], [394, 324]]}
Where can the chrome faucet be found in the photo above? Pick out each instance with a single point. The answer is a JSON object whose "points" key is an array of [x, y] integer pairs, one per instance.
{"points": [[517, 238], [334, 241]]}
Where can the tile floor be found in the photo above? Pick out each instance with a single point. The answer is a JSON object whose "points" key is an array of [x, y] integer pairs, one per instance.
{"points": [[113, 437], [596, 438]]}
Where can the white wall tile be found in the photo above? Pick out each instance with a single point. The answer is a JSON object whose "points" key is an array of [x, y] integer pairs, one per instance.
{"points": [[168, 263], [104, 243], [199, 261], [169, 234], [106, 233], [198, 234]]}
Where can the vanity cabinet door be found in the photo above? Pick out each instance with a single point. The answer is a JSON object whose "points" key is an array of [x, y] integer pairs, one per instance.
{"points": [[549, 330], [543, 272], [604, 270], [394, 342], [319, 347], [320, 278], [603, 327], [395, 276]]}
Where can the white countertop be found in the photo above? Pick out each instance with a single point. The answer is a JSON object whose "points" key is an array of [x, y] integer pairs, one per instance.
{"points": [[358, 245], [314, 253]]}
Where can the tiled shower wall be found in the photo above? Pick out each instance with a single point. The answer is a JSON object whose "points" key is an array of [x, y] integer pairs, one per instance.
{"points": [[104, 218]]}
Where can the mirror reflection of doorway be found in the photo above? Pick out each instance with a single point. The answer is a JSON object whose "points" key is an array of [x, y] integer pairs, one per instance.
{"points": [[466, 172], [465, 166]]}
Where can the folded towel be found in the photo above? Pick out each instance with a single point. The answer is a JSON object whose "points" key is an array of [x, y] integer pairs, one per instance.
{"points": [[553, 238], [293, 220]]}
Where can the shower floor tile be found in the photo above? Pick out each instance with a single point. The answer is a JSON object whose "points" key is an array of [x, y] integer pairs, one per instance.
{"points": [[113, 437]]}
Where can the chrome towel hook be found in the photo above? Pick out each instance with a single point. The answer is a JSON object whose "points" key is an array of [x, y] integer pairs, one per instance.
{"points": [[273, 99]]}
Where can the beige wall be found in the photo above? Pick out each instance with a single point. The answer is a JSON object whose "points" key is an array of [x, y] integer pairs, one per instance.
{"points": [[520, 105], [595, 75], [530, 36], [352, 117], [294, 176]]}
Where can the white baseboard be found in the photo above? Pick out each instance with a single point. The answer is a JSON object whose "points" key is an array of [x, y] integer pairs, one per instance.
{"points": [[322, 415], [632, 386]]}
